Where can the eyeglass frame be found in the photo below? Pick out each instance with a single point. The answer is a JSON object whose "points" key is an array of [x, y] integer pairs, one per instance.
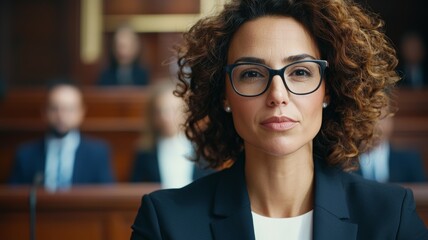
{"points": [[273, 72]]}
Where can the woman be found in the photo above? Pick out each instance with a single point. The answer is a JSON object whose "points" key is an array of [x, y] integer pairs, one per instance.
{"points": [[289, 91], [164, 149]]}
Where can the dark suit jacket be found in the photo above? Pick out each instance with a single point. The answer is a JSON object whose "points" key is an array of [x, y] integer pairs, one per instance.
{"points": [[91, 165], [108, 77], [406, 78], [217, 207], [405, 166], [146, 168]]}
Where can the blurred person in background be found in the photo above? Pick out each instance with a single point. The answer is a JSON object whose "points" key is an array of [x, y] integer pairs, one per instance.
{"points": [[385, 163], [124, 67], [63, 157], [413, 66], [164, 151]]}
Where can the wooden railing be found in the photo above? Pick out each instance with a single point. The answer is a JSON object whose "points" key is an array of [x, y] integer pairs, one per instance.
{"points": [[93, 212], [83, 212]]}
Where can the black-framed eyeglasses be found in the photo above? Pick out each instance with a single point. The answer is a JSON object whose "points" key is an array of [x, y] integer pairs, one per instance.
{"points": [[253, 79]]}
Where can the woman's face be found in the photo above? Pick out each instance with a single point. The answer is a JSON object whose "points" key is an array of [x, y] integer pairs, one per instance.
{"points": [[277, 122]]}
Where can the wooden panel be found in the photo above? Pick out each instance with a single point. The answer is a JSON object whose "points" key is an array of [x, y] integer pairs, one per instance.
{"points": [[151, 7], [411, 122], [412, 102], [93, 212], [84, 212], [38, 41]]}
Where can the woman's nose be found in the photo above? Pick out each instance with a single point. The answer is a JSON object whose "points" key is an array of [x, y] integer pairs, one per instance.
{"points": [[277, 92]]}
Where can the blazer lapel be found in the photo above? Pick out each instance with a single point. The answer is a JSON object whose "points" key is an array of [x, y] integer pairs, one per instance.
{"points": [[80, 167], [151, 169], [331, 216], [232, 206], [233, 210], [40, 158]]}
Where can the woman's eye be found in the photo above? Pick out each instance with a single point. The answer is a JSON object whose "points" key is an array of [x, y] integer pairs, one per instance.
{"points": [[251, 74], [301, 72]]}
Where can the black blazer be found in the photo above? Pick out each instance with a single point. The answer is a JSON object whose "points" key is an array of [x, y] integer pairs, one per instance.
{"points": [[404, 166], [146, 167], [92, 162], [217, 207]]}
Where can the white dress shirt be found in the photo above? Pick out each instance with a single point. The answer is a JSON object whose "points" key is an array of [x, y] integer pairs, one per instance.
{"points": [[60, 155], [176, 170], [375, 164], [294, 228]]}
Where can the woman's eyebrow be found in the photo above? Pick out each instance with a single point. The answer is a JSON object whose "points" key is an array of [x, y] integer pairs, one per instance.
{"points": [[289, 59], [249, 60], [295, 58]]}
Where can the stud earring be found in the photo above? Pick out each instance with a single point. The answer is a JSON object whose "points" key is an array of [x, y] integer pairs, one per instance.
{"points": [[227, 109], [324, 105]]}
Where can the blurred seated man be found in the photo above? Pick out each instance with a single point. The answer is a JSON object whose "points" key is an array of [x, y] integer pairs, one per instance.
{"points": [[165, 151], [63, 156], [124, 68], [413, 61], [385, 163]]}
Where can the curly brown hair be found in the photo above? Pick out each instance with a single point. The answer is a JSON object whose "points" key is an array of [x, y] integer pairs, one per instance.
{"points": [[361, 71]]}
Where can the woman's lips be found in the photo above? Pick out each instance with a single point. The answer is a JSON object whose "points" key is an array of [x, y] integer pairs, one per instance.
{"points": [[279, 123]]}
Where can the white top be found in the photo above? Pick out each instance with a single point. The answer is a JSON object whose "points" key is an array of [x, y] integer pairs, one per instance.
{"points": [[374, 164], [298, 228], [176, 170], [60, 155]]}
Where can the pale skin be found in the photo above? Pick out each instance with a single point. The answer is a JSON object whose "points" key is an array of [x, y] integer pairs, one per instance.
{"points": [[279, 165], [168, 114], [64, 110]]}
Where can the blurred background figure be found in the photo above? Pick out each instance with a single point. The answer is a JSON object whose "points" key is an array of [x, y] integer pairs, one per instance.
{"points": [[63, 156], [413, 65], [384, 163], [164, 151], [124, 67]]}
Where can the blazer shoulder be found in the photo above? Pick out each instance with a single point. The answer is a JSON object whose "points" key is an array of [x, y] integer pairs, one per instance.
{"points": [[93, 142], [355, 182], [34, 147], [382, 210], [33, 144]]}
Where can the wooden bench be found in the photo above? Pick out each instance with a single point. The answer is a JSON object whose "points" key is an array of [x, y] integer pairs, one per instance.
{"points": [[117, 114], [83, 212]]}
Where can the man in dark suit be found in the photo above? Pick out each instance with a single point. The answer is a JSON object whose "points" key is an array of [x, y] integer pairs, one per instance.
{"points": [[400, 166], [384, 163], [413, 63], [63, 157]]}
